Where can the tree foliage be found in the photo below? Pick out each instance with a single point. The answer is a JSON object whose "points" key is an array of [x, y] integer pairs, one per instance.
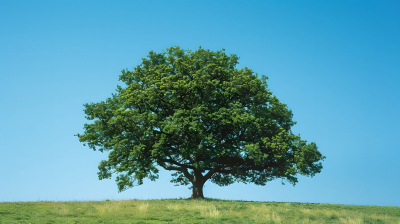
{"points": [[196, 114]]}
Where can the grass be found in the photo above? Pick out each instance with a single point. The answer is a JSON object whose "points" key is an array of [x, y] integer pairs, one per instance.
{"points": [[192, 211]]}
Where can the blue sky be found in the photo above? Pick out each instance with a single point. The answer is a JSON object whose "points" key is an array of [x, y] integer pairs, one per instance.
{"points": [[334, 63]]}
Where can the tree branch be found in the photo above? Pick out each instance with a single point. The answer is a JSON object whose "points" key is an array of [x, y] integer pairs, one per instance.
{"points": [[176, 163]]}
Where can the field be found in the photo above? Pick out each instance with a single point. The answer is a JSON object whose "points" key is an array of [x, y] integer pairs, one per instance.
{"points": [[192, 211]]}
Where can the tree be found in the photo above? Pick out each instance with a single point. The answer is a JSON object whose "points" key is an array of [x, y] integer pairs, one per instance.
{"points": [[194, 113]]}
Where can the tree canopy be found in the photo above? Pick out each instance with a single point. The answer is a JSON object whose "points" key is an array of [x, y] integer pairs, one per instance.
{"points": [[196, 114]]}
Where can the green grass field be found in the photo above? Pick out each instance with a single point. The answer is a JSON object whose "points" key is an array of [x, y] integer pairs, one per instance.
{"points": [[192, 211]]}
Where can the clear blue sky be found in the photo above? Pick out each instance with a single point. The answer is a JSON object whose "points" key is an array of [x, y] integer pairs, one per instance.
{"points": [[336, 64]]}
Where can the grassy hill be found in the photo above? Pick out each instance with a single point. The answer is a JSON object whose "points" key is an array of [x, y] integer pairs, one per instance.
{"points": [[192, 211]]}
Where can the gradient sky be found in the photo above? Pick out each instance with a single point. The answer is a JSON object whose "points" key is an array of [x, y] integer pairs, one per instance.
{"points": [[336, 64]]}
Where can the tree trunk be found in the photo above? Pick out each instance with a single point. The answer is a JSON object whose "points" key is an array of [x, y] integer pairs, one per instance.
{"points": [[198, 183], [197, 190]]}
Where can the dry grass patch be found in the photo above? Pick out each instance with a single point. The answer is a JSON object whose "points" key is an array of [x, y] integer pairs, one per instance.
{"points": [[174, 207], [210, 211], [351, 220]]}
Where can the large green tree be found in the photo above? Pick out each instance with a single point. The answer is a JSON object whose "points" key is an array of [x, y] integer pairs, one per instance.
{"points": [[195, 114]]}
